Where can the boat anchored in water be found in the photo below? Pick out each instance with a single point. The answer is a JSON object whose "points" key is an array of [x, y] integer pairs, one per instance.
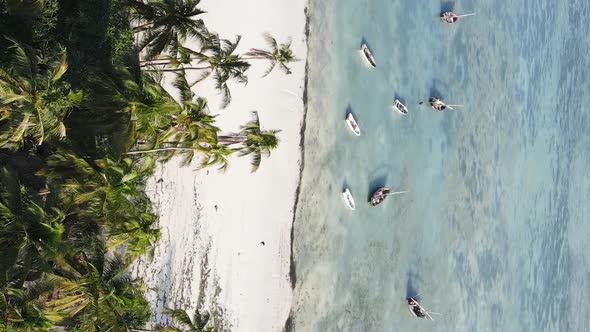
{"points": [[368, 56], [380, 194], [354, 127], [417, 310], [348, 199], [439, 106], [400, 107], [450, 17]]}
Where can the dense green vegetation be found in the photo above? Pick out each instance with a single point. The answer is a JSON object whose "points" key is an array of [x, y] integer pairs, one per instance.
{"points": [[83, 119]]}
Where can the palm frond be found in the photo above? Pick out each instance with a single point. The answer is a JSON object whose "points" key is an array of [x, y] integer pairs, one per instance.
{"points": [[181, 316]]}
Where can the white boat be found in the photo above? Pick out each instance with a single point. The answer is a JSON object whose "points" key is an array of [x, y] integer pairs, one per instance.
{"points": [[348, 199], [354, 127], [400, 107], [417, 310], [368, 56]]}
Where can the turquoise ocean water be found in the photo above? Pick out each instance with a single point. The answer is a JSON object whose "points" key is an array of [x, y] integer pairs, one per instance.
{"points": [[494, 234]]}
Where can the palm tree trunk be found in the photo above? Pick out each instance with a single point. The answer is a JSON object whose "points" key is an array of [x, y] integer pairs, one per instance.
{"points": [[157, 63], [255, 58], [160, 149], [180, 69], [230, 139], [142, 27]]}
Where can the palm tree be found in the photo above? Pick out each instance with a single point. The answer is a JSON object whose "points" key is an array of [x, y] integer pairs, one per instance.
{"points": [[29, 233], [193, 132], [135, 230], [143, 106], [278, 54], [253, 140], [167, 23], [21, 308], [197, 324], [33, 101], [216, 155], [106, 194], [222, 63], [95, 292]]}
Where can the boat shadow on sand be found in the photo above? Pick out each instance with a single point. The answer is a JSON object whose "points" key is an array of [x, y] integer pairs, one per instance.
{"points": [[365, 42], [347, 110], [435, 91], [376, 183], [411, 290]]}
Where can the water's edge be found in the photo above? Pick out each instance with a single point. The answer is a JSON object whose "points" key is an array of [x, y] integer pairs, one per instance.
{"points": [[292, 268]]}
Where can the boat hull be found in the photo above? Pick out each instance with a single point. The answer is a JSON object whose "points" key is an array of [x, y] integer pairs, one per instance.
{"points": [[368, 56], [348, 199], [379, 196], [400, 107], [353, 125]]}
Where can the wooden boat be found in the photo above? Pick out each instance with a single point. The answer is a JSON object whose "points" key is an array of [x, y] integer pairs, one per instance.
{"points": [[380, 194], [354, 127], [417, 310], [400, 107], [450, 17], [348, 199], [439, 105], [368, 56]]}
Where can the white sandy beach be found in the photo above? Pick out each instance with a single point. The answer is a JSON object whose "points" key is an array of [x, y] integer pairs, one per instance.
{"points": [[213, 224]]}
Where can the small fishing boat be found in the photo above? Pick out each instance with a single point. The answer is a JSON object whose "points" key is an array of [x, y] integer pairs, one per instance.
{"points": [[380, 194], [400, 107], [354, 127], [439, 106], [450, 17], [348, 199], [368, 56], [417, 310]]}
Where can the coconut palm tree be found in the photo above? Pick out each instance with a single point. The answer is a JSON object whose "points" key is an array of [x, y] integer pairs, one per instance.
{"points": [[106, 194], [167, 23], [94, 292], [33, 100], [252, 140], [193, 131], [135, 230], [222, 64], [21, 308], [197, 324], [29, 233], [278, 54], [139, 110]]}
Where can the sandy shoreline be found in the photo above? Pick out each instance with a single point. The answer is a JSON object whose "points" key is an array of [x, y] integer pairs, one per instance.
{"points": [[211, 253]]}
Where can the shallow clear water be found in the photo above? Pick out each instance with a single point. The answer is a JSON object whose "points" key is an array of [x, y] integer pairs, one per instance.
{"points": [[494, 234]]}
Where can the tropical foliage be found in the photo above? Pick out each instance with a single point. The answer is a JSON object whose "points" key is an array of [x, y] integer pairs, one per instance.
{"points": [[278, 54], [83, 119]]}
